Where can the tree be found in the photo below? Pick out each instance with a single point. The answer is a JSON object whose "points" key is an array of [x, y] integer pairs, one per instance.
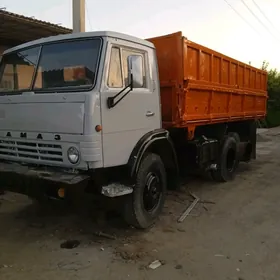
{"points": [[273, 87], [273, 84]]}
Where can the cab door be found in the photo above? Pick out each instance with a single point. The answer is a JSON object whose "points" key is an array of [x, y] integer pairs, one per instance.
{"points": [[137, 113]]}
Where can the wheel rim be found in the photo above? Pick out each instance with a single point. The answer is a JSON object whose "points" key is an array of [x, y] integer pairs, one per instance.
{"points": [[231, 159], [152, 192]]}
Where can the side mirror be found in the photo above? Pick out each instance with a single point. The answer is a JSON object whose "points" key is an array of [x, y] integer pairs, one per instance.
{"points": [[135, 71]]}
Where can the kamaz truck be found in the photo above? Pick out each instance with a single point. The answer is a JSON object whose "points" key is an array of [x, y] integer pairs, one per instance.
{"points": [[123, 117]]}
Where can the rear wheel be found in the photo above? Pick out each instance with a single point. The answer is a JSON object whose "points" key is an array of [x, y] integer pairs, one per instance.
{"points": [[228, 161], [145, 204]]}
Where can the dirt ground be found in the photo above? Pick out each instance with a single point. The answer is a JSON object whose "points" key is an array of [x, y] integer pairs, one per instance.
{"points": [[235, 238]]}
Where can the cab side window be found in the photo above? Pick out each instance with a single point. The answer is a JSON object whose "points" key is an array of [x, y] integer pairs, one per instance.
{"points": [[118, 67], [115, 77]]}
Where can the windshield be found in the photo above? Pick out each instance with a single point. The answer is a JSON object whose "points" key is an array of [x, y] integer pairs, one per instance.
{"points": [[63, 65]]}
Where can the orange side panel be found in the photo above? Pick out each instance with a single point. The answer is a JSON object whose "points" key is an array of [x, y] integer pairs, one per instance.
{"points": [[219, 88], [200, 86]]}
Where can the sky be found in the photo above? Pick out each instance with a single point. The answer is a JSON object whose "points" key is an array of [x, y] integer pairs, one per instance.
{"points": [[212, 23]]}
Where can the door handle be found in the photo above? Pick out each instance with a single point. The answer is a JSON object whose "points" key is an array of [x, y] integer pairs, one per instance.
{"points": [[150, 113]]}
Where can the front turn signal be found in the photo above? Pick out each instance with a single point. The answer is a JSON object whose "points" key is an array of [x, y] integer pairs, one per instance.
{"points": [[98, 128]]}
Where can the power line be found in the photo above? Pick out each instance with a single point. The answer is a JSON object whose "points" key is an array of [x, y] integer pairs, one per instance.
{"points": [[252, 13], [243, 18], [264, 15], [88, 16]]}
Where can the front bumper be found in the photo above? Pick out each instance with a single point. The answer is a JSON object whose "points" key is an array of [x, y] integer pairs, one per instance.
{"points": [[25, 179]]}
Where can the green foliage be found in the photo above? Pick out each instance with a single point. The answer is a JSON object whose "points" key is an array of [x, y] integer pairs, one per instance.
{"points": [[273, 87], [273, 117]]}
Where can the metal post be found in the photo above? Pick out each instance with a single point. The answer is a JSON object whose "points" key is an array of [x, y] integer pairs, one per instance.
{"points": [[78, 15]]}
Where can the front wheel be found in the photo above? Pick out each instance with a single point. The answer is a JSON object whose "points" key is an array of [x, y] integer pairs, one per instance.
{"points": [[145, 204]]}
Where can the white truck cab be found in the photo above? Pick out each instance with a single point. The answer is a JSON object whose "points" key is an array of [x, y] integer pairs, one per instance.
{"points": [[45, 95]]}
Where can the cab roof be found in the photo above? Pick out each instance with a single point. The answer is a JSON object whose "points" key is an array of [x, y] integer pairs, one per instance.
{"points": [[82, 35]]}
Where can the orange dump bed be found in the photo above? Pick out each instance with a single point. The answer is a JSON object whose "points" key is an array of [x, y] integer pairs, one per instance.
{"points": [[200, 86]]}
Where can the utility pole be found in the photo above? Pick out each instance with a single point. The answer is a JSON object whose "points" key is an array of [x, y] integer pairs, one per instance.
{"points": [[78, 7]]}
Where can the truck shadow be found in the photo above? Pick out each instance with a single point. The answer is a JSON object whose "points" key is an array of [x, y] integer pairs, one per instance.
{"points": [[89, 219], [96, 213], [96, 224]]}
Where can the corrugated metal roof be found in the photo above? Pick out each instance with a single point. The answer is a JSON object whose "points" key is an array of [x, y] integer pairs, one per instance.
{"points": [[16, 29], [31, 19]]}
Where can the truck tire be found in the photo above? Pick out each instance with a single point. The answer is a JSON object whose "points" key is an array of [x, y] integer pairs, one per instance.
{"points": [[145, 204], [228, 161], [236, 136]]}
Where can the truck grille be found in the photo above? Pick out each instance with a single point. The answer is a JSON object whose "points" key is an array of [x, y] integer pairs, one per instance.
{"points": [[31, 150]]}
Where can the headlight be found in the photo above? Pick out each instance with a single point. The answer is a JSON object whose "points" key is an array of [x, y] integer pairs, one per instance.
{"points": [[73, 155]]}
